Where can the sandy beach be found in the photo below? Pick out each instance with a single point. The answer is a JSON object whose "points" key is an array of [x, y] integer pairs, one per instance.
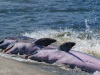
{"points": [[13, 67]]}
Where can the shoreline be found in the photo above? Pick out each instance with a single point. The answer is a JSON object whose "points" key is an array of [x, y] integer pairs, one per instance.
{"points": [[9, 66], [16, 65], [13, 67]]}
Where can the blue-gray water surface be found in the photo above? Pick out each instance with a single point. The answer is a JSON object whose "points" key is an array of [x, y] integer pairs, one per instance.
{"points": [[20, 16]]}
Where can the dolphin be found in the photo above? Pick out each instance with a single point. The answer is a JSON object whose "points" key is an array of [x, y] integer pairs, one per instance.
{"points": [[8, 40], [25, 47], [64, 55]]}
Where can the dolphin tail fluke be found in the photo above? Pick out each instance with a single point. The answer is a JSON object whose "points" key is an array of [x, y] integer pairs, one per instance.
{"points": [[66, 46]]}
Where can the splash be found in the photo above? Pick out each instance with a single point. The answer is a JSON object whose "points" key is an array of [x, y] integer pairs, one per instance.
{"points": [[86, 41], [88, 32]]}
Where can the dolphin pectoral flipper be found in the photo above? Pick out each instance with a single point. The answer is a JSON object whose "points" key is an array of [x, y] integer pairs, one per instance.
{"points": [[66, 46], [44, 41], [26, 56]]}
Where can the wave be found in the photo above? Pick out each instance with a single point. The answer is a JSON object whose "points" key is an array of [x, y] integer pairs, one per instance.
{"points": [[86, 41]]}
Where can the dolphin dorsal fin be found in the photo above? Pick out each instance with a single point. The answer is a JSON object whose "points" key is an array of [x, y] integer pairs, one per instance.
{"points": [[44, 41], [66, 46]]}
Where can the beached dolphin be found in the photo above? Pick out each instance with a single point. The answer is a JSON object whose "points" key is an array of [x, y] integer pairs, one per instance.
{"points": [[8, 40], [25, 47], [64, 55]]}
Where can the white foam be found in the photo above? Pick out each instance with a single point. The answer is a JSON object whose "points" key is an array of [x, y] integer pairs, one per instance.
{"points": [[85, 41], [96, 73]]}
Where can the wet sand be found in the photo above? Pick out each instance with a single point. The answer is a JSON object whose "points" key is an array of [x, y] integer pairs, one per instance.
{"points": [[13, 67], [16, 65]]}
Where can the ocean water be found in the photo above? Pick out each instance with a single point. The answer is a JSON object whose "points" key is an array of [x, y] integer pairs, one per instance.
{"points": [[20, 16], [65, 20]]}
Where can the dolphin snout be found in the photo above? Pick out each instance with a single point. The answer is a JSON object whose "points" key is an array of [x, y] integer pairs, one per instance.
{"points": [[1, 41]]}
